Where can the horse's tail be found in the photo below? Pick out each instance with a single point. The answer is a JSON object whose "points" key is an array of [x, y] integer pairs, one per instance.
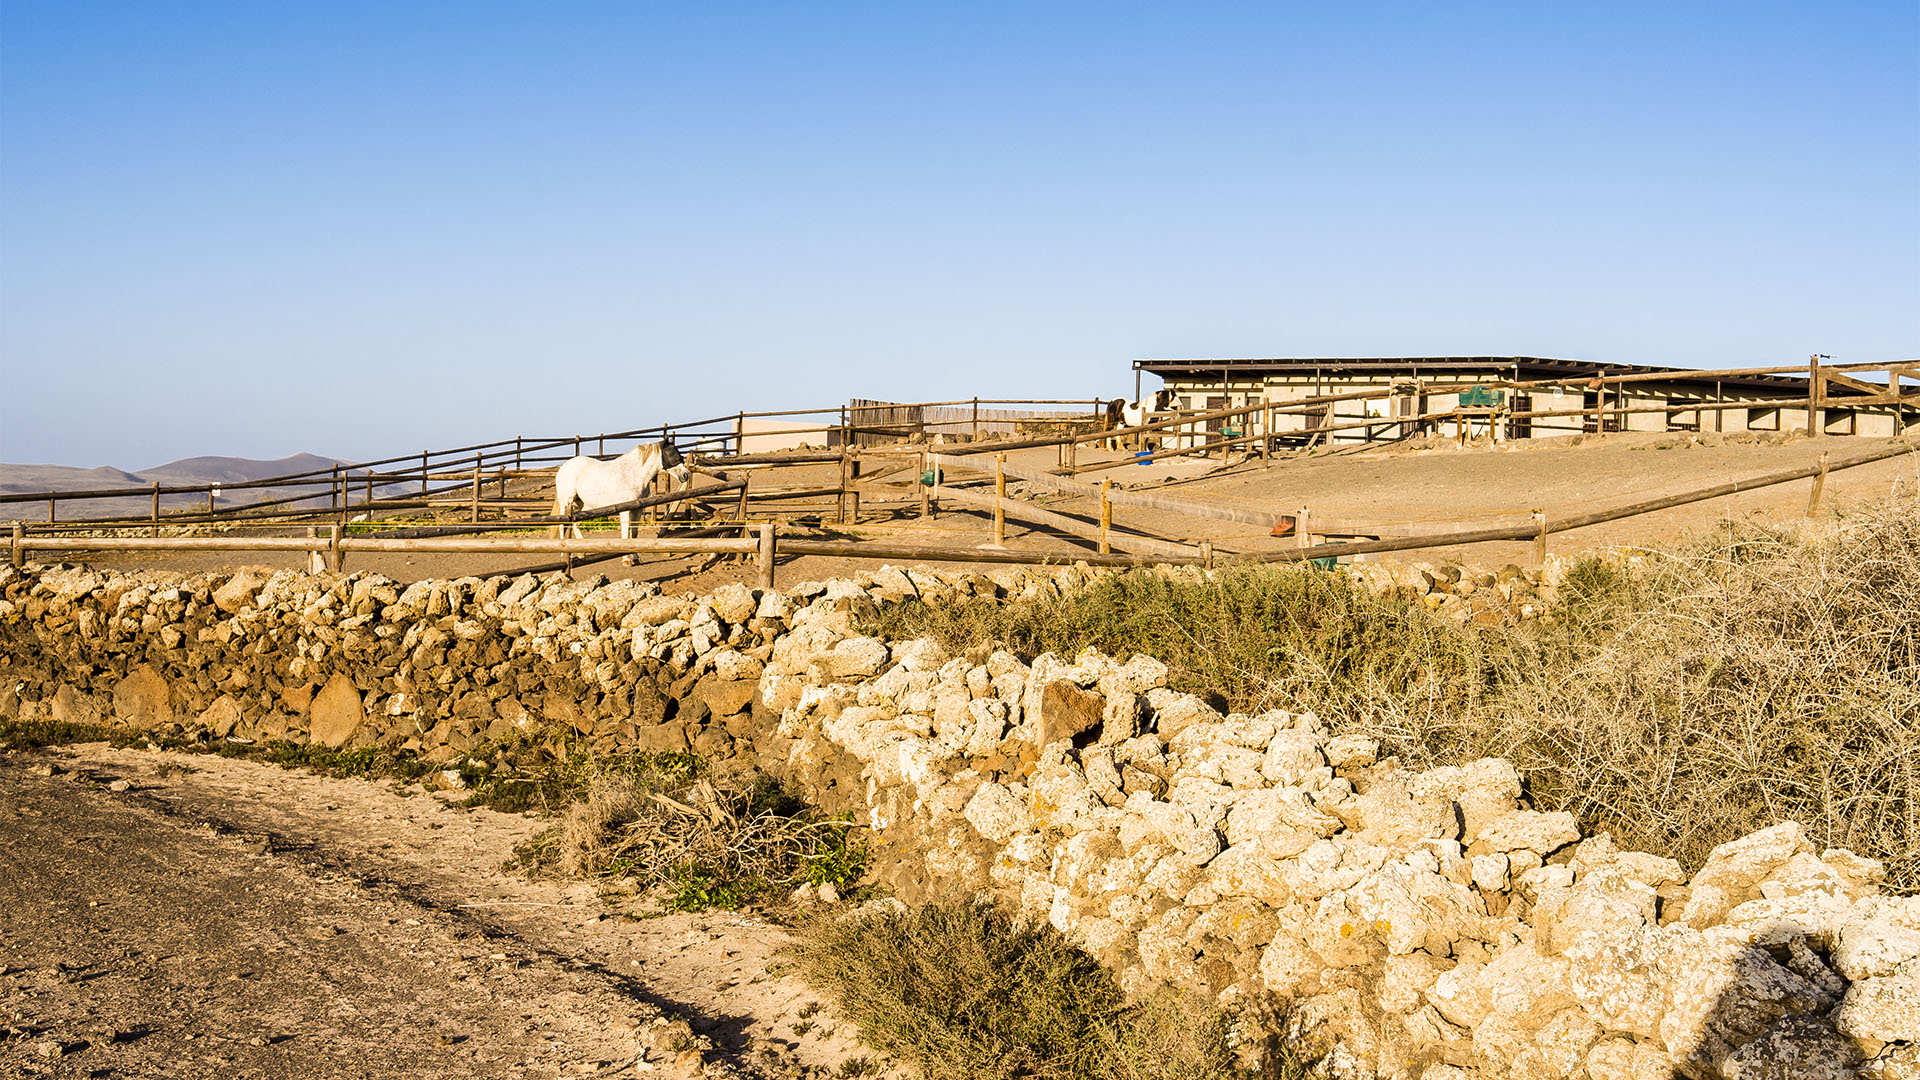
{"points": [[563, 494]]}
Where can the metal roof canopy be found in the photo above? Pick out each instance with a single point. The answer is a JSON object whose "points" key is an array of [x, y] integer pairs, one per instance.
{"points": [[1526, 367]]}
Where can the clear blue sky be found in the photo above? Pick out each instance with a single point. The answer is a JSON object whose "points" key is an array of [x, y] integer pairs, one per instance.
{"points": [[353, 229]]}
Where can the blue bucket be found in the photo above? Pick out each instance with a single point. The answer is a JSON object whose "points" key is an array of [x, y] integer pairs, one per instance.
{"points": [[1143, 457]]}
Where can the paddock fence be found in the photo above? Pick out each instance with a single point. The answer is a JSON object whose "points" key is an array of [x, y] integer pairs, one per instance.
{"points": [[863, 465]]}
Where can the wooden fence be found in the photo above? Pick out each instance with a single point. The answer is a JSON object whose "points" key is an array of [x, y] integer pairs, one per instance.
{"points": [[763, 543], [499, 488]]}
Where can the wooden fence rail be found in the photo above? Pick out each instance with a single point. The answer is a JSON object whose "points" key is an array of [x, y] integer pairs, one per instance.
{"points": [[331, 482], [766, 546]]}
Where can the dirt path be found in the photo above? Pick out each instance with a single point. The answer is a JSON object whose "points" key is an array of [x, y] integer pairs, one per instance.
{"points": [[172, 915]]}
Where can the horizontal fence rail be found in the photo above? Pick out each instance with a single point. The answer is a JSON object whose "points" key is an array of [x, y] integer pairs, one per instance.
{"points": [[767, 546]]}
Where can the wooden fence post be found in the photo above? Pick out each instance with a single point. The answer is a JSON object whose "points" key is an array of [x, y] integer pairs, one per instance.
{"points": [[476, 489], [336, 555], [1814, 427], [517, 466], [999, 499], [740, 511], [156, 508], [1206, 554], [1819, 484], [423, 474], [976, 419], [1540, 538], [1106, 514], [853, 489], [50, 517], [766, 554], [740, 432], [843, 480], [18, 553], [925, 488]]}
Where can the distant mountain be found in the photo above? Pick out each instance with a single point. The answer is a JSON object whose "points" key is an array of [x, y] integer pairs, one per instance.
{"points": [[33, 479], [25, 478], [229, 470]]}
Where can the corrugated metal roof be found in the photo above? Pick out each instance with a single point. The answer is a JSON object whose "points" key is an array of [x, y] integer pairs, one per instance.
{"points": [[1529, 367]]}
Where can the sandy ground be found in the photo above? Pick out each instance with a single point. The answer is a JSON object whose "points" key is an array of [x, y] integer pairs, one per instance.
{"points": [[174, 915], [1404, 488]]}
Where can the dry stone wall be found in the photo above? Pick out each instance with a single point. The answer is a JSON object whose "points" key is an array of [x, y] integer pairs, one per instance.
{"points": [[1423, 924]]}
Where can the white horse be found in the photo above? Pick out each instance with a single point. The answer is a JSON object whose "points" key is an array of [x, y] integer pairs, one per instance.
{"points": [[586, 483]]}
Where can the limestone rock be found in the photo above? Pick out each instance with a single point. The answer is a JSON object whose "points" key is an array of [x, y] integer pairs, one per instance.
{"points": [[1291, 756], [1898, 1062], [336, 712], [1868, 948], [1352, 751], [1624, 1059], [1483, 790], [1722, 993], [221, 717], [997, 814], [1886, 1008], [724, 697], [732, 664], [668, 738], [141, 699], [1173, 711], [238, 591], [891, 585], [735, 603], [71, 706], [1796, 1048], [1528, 830], [1065, 711], [1279, 822], [857, 657], [1391, 815], [1738, 866]]}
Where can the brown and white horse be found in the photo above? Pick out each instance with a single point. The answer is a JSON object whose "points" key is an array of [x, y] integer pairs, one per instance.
{"points": [[1123, 413]]}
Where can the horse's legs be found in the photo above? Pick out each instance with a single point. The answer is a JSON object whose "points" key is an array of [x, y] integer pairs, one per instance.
{"points": [[626, 533]]}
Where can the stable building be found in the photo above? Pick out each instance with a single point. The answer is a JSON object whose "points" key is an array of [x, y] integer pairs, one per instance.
{"points": [[1370, 399]]}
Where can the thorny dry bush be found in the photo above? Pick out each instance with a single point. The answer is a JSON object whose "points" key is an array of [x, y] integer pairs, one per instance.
{"points": [[1750, 676], [1676, 698], [703, 845]]}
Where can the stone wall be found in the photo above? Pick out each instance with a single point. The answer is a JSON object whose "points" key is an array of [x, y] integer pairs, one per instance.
{"points": [[1428, 924]]}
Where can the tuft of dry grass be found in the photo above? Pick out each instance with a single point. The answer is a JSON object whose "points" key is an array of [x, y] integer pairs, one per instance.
{"points": [[706, 845], [1678, 699], [964, 990]]}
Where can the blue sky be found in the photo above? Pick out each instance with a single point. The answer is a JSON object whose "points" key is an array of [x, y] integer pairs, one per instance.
{"points": [[357, 229]]}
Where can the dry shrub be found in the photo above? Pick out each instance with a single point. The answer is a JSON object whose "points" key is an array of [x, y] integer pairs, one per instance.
{"points": [[963, 990], [708, 846], [1748, 677], [1678, 700]]}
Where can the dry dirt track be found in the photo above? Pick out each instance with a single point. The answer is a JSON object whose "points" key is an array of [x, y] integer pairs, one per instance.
{"points": [[238, 920]]}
